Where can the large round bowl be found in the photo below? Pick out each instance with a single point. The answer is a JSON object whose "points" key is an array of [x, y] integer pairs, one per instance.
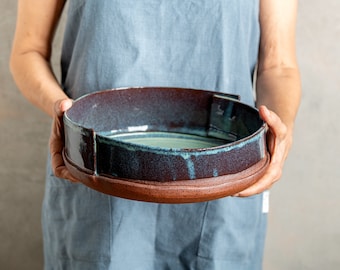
{"points": [[169, 145]]}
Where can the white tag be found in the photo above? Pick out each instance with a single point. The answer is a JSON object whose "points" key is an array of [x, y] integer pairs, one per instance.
{"points": [[265, 202]]}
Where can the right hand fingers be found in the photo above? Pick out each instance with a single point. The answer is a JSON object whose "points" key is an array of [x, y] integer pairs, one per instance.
{"points": [[57, 140]]}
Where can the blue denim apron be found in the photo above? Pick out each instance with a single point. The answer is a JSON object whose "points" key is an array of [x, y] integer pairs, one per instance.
{"points": [[205, 44]]}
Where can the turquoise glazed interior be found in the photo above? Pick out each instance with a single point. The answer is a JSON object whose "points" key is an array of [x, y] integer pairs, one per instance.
{"points": [[162, 134]]}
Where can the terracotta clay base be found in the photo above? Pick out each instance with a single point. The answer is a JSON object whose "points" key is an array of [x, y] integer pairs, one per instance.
{"points": [[185, 191]]}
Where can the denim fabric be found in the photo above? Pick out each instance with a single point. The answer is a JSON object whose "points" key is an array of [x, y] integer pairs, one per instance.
{"points": [[194, 43], [205, 44], [84, 229]]}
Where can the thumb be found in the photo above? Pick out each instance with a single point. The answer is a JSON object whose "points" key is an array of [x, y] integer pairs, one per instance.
{"points": [[265, 114], [62, 106], [275, 124]]}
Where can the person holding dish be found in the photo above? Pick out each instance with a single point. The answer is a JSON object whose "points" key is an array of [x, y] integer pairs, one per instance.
{"points": [[233, 46]]}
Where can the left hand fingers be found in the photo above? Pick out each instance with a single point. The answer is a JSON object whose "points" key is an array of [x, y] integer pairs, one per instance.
{"points": [[279, 142], [278, 139], [272, 175]]}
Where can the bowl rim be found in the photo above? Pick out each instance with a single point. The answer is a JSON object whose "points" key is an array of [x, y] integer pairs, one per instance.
{"points": [[234, 98]]}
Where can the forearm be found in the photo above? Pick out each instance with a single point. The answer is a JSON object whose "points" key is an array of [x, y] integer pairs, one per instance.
{"points": [[279, 89], [30, 66], [278, 79], [35, 79]]}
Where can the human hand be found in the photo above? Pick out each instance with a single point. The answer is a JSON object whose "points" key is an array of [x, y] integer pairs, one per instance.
{"points": [[57, 140], [279, 141]]}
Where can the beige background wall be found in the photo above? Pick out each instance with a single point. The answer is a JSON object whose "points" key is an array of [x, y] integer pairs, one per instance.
{"points": [[304, 219]]}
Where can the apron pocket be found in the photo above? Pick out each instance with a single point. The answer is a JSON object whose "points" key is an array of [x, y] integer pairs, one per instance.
{"points": [[76, 222], [233, 229]]}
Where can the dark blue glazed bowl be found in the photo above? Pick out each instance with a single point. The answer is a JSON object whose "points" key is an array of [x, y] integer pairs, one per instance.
{"points": [[151, 138]]}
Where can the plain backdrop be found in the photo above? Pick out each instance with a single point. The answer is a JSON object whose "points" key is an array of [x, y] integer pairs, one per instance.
{"points": [[304, 217]]}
